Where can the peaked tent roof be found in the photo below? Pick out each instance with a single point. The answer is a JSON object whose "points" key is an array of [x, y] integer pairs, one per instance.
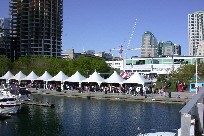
{"points": [[31, 76], [114, 78], [7, 75], [18, 76], [137, 78], [77, 77], [45, 76], [95, 77], [59, 77]]}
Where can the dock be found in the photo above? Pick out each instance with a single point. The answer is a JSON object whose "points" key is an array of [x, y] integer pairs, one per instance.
{"points": [[184, 97], [37, 104]]}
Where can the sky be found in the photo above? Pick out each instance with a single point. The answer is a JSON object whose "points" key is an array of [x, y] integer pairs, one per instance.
{"points": [[102, 25]]}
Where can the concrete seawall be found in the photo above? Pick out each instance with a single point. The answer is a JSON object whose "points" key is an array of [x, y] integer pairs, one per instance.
{"points": [[184, 97]]}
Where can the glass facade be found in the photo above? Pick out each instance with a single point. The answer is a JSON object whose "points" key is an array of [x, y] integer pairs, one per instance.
{"points": [[149, 45], [164, 60]]}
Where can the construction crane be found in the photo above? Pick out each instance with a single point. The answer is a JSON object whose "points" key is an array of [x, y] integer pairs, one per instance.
{"points": [[132, 49], [120, 49]]}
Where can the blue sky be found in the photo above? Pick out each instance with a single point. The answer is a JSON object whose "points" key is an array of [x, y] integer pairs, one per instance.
{"points": [[102, 25]]}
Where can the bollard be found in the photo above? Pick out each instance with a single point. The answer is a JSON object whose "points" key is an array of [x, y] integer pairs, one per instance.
{"points": [[185, 124]]}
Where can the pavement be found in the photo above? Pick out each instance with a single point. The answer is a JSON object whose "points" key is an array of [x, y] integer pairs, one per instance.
{"points": [[176, 97]]}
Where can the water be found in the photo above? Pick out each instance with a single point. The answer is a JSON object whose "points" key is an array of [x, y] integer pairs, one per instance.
{"points": [[83, 117]]}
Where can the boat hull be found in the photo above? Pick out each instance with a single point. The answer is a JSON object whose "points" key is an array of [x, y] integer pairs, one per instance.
{"points": [[10, 109]]}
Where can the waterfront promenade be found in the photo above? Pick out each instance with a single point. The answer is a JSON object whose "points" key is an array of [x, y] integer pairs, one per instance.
{"points": [[176, 97]]}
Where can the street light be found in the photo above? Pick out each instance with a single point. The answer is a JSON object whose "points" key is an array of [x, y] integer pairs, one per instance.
{"points": [[131, 65], [172, 62], [197, 87], [196, 75], [196, 70]]}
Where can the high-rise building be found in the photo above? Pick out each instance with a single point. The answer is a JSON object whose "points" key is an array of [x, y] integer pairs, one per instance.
{"points": [[36, 27], [5, 36], [196, 33], [177, 49], [149, 45], [168, 48]]}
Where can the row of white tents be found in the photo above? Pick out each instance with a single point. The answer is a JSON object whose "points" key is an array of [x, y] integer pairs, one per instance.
{"points": [[77, 77]]}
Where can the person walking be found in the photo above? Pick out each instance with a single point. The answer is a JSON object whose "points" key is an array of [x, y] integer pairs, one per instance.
{"points": [[164, 91]]}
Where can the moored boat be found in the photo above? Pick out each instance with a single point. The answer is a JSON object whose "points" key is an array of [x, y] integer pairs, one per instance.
{"points": [[159, 134], [8, 103]]}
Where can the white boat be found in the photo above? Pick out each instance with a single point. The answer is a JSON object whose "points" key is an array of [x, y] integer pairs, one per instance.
{"points": [[159, 134], [8, 103]]}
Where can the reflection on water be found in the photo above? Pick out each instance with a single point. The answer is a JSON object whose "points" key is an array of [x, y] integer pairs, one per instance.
{"points": [[77, 116]]}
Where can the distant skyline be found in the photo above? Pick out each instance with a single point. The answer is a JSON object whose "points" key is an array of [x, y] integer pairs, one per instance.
{"points": [[102, 25]]}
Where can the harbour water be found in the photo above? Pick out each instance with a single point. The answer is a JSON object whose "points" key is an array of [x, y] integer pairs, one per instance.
{"points": [[85, 117]]}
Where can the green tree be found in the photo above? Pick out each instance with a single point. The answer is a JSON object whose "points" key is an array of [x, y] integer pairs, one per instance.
{"points": [[5, 64], [87, 65], [23, 64], [83, 65], [40, 64], [183, 74], [201, 69]]}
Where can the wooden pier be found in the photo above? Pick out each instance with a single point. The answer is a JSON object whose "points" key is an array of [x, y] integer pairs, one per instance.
{"points": [[37, 104]]}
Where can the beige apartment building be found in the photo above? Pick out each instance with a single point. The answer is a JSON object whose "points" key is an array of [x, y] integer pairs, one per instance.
{"points": [[196, 33]]}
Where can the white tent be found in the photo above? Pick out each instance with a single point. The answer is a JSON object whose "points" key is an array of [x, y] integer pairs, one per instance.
{"points": [[18, 76], [59, 77], [137, 78], [32, 76], [45, 76], [7, 75], [95, 78], [114, 78], [77, 77]]}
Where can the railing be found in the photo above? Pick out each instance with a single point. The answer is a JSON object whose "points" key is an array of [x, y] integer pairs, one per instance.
{"points": [[193, 110]]}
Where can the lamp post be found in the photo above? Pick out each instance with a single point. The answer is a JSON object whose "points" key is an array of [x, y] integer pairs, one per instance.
{"points": [[196, 75], [172, 62], [152, 66], [131, 65], [172, 55], [196, 71], [196, 54]]}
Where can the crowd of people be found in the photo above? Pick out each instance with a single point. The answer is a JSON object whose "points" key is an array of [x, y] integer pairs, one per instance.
{"points": [[134, 90]]}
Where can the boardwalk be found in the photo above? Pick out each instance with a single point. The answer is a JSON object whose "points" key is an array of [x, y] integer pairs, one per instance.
{"points": [[184, 97]]}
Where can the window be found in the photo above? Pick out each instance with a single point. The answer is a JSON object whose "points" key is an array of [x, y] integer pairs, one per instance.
{"points": [[192, 86]]}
